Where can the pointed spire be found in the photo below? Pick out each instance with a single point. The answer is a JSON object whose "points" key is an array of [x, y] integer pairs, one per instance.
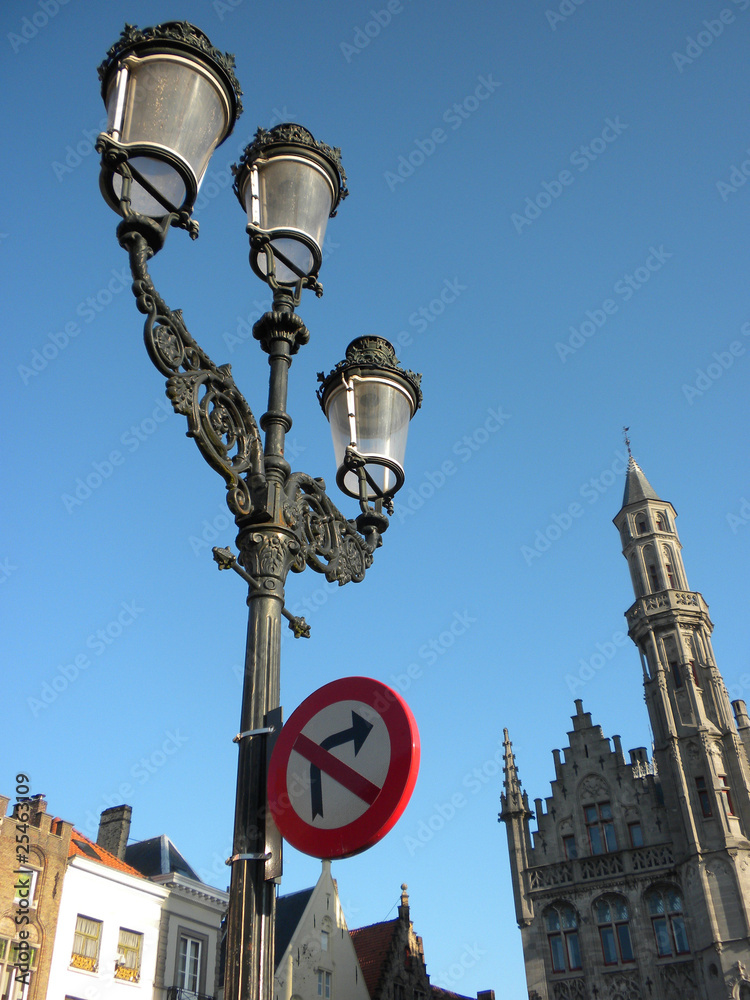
{"points": [[637, 487], [513, 799]]}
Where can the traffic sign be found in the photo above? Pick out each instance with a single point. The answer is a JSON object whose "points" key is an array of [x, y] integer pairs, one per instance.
{"points": [[343, 768]]}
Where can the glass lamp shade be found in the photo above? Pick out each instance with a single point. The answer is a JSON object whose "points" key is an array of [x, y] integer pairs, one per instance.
{"points": [[168, 108], [290, 186], [369, 402]]}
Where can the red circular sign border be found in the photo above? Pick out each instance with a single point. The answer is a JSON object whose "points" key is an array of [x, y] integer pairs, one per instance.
{"points": [[385, 811]]}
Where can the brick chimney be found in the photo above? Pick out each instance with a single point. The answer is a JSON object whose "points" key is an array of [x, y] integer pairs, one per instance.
{"points": [[486, 995], [114, 829]]}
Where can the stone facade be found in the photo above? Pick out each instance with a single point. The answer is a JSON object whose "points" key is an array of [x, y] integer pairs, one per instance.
{"points": [[636, 882], [33, 857]]}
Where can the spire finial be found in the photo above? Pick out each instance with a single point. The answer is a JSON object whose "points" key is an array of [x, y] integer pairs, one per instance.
{"points": [[627, 441]]}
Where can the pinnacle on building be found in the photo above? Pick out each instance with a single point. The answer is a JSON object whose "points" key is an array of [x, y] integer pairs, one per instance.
{"points": [[636, 882]]}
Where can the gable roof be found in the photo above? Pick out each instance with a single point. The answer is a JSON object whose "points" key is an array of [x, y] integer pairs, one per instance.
{"points": [[158, 856], [82, 847], [372, 945], [289, 910]]}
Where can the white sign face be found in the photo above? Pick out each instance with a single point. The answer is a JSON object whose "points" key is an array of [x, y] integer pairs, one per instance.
{"points": [[343, 768], [338, 764]]}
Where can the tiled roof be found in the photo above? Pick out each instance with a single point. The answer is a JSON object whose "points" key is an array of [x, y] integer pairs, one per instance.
{"points": [[82, 847], [372, 945]]}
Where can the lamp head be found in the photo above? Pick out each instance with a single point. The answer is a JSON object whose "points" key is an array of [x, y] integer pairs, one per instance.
{"points": [[171, 99], [290, 185]]}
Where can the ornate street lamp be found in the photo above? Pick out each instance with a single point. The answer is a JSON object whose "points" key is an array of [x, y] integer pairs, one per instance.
{"points": [[171, 99]]}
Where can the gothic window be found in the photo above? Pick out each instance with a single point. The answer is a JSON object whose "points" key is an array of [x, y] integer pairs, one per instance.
{"points": [[665, 908], [671, 578], [662, 522], [569, 846], [561, 923], [600, 828], [636, 834], [703, 797], [670, 649], [641, 524], [612, 919], [649, 557], [725, 791]]}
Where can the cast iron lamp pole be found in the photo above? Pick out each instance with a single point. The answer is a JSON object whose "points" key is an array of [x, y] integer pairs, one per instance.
{"points": [[171, 99]]}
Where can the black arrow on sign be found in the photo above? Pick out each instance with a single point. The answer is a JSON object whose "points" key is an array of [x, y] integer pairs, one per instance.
{"points": [[356, 734]]}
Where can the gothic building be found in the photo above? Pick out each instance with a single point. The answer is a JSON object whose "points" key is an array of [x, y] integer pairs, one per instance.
{"points": [[636, 882]]}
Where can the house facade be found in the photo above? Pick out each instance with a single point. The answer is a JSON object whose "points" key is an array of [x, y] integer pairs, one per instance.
{"points": [[636, 882], [108, 928], [314, 954], [33, 859]]}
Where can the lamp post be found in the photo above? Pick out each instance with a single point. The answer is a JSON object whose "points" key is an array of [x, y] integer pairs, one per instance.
{"points": [[171, 99]]}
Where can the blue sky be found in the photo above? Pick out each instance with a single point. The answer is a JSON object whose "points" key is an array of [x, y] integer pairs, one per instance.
{"points": [[548, 215]]}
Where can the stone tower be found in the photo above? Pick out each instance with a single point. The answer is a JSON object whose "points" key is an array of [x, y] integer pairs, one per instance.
{"points": [[636, 883]]}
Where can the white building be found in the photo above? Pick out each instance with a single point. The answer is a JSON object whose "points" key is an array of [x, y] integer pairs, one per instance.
{"points": [[107, 930]]}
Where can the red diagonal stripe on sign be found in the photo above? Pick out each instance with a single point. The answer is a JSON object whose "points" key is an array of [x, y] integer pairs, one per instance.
{"points": [[337, 769]]}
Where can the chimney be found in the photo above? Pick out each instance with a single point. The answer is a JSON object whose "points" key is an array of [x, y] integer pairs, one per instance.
{"points": [[114, 828], [486, 995]]}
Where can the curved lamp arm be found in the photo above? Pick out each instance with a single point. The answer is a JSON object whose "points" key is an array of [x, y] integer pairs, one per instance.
{"points": [[219, 418]]}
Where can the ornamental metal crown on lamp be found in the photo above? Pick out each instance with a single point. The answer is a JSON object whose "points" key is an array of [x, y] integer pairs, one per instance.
{"points": [[180, 35]]}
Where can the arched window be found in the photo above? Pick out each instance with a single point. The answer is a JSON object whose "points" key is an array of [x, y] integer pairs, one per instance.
{"points": [[612, 919], [670, 568], [562, 933], [649, 558], [662, 522], [665, 908], [641, 524]]}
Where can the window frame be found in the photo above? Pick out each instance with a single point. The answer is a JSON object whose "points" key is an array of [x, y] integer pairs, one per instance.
{"points": [[325, 984], [670, 921], [726, 790], [9, 968], [563, 937], [631, 827], [81, 966], [615, 926], [123, 971], [603, 827], [185, 933], [704, 799]]}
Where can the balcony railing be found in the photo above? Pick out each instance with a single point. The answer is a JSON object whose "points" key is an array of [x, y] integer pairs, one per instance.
{"points": [[177, 993], [633, 861]]}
